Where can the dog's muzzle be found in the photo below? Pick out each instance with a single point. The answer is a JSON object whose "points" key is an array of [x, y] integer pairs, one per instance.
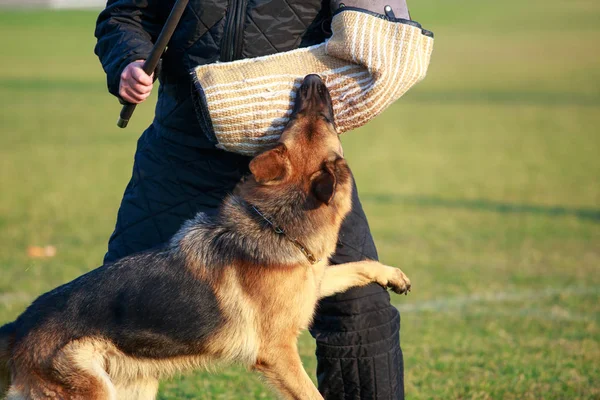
{"points": [[313, 98]]}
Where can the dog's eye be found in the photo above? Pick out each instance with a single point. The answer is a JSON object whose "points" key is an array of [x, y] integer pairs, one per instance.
{"points": [[326, 118]]}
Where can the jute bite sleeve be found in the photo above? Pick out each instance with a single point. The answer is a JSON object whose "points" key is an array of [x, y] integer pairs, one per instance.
{"points": [[368, 63]]}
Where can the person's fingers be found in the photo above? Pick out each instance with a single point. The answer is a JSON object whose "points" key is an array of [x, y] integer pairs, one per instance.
{"points": [[125, 96], [135, 85], [131, 96], [141, 89], [138, 97], [138, 74]]}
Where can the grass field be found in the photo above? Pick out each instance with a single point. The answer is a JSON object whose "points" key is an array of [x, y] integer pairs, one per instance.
{"points": [[482, 183]]}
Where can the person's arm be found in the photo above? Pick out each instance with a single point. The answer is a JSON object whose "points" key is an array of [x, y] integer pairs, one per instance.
{"points": [[126, 30], [392, 8]]}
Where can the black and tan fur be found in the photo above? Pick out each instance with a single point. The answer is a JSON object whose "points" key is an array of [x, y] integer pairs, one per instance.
{"points": [[226, 288]]}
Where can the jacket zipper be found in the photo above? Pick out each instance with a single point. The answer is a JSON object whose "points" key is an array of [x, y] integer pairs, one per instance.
{"points": [[231, 47]]}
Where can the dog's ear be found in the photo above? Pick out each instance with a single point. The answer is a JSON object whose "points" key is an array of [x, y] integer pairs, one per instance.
{"points": [[324, 182], [272, 166]]}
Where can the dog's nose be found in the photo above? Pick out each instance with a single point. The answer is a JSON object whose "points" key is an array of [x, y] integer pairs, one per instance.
{"points": [[312, 86], [313, 97], [312, 80]]}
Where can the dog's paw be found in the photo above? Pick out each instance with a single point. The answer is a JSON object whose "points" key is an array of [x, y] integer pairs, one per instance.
{"points": [[398, 281]]}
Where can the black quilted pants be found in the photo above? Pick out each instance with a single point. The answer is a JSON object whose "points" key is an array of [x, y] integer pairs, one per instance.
{"points": [[357, 332]]}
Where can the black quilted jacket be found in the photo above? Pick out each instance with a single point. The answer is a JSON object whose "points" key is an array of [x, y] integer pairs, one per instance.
{"points": [[209, 31]]}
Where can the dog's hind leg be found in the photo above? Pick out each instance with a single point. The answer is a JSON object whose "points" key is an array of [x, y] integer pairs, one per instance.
{"points": [[28, 386], [141, 389], [74, 372], [339, 278], [81, 365], [283, 370]]}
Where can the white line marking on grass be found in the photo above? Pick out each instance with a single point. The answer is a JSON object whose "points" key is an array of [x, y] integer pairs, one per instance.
{"points": [[448, 303], [551, 314]]}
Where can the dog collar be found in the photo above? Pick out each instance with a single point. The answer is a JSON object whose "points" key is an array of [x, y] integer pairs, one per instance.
{"points": [[280, 231]]}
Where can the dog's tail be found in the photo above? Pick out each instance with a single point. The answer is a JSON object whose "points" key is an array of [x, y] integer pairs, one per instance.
{"points": [[7, 335]]}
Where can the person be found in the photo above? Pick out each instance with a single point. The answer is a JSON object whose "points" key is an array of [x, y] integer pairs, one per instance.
{"points": [[177, 172]]}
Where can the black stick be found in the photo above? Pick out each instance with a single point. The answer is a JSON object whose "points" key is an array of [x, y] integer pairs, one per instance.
{"points": [[154, 57]]}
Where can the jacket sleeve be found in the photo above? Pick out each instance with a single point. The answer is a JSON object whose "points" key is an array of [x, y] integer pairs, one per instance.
{"points": [[126, 30]]}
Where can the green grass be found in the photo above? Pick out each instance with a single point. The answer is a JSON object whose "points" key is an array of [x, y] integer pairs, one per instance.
{"points": [[482, 183]]}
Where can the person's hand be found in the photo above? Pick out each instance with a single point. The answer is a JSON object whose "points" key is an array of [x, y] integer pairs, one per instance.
{"points": [[135, 85]]}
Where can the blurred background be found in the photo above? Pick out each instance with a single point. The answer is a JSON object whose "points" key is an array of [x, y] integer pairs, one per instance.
{"points": [[482, 184]]}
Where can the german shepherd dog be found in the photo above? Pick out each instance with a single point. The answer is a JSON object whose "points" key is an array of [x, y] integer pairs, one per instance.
{"points": [[237, 287]]}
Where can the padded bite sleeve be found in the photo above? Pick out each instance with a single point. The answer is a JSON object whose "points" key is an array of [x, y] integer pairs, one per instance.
{"points": [[369, 62]]}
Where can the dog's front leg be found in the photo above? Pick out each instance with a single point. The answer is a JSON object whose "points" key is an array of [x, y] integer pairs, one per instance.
{"points": [[339, 278], [283, 370]]}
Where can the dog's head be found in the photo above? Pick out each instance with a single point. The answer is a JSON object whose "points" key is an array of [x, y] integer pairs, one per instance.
{"points": [[309, 154]]}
